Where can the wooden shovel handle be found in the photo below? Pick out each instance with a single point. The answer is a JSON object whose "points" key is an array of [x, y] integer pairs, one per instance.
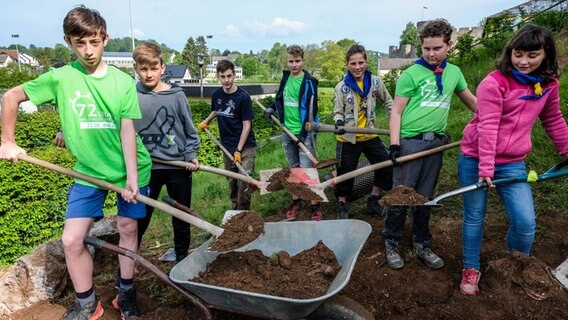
{"points": [[388, 163], [321, 127], [202, 224], [291, 135], [226, 152]]}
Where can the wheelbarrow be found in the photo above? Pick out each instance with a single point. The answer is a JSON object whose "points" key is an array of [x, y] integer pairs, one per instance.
{"points": [[532, 176], [344, 237]]}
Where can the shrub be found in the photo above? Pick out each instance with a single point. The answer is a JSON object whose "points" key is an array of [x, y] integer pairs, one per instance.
{"points": [[36, 130]]}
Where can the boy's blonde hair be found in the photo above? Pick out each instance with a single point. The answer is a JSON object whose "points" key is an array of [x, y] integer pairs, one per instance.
{"points": [[296, 51], [82, 21], [148, 53]]}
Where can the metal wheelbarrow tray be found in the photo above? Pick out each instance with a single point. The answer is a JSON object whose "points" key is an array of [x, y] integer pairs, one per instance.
{"points": [[344, 237]]}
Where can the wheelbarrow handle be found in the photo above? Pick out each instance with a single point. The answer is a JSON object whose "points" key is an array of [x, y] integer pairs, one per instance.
{"points": [[101, 244], [291, 135], [202, 224]]}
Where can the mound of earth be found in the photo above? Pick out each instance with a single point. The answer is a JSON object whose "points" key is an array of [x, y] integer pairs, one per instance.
{"points": [[513, 286]]}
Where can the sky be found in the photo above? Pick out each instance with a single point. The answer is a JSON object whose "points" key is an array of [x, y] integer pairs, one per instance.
{"points": [[243, 25]]}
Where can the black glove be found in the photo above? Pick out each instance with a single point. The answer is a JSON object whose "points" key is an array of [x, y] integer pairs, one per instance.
{"points": [[394, 152], [339, 123], [268, 112]]}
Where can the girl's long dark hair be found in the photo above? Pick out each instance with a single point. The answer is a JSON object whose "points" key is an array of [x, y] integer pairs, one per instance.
{"points": [[532, 37]]}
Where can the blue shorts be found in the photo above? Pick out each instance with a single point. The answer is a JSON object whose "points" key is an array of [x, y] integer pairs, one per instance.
{"points": [[87, 202]]}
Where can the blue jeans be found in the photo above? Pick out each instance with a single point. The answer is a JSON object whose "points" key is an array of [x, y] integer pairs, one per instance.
{"points": [[297, 158], [517, 199]]}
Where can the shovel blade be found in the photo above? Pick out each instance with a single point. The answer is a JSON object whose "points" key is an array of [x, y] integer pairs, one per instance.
{"points": [[301, 182], [561, 273]]}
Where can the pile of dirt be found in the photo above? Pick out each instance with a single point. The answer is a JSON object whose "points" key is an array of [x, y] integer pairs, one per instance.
{"points": [[279, 180], [402, 196], [508, 286], [304, 276], [240, 230]]}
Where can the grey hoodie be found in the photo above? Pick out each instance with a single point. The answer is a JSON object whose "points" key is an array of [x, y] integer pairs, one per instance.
{"points": [[166, 127]]}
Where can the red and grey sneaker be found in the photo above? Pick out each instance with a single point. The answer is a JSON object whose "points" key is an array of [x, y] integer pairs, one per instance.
{"points": [[317, 213], [470, 279], [125, 301], [294, 209], [90, 311]]}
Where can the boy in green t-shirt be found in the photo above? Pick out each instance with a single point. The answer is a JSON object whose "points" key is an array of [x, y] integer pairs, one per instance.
{"points": [[418, 122], [97, 104], [292, 106]]}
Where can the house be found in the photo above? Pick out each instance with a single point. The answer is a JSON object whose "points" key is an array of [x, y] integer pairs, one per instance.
{"points": [[388, 64], [211, 69], [119, 59], [177, 73], [7, 56]]}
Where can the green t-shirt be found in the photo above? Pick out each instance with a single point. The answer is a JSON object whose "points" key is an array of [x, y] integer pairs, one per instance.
{"points": [[427, 110], [292, 119], [90, 110]]}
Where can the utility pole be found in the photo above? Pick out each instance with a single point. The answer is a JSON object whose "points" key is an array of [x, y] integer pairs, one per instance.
{"points": [[17, 51]]}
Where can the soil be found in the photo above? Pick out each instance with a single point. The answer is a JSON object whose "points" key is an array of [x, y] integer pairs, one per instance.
{"points": [[513, 286], [279, 180], [402, 195], [304, 276], [240, 230]]}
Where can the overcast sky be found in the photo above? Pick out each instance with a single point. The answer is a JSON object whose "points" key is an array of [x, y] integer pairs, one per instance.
{"points": [[244, 25]]}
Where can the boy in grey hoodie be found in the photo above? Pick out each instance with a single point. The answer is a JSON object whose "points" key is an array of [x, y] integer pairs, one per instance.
{"points": [[167, 131]]}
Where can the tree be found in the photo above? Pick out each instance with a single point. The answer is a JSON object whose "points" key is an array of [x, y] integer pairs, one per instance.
{"points": [[312, 54], [189, 57], [62, 53], [45, 56], [410, 35], [251, 66], [226, 52], [277, 59], [332, 61], [345, 44]]}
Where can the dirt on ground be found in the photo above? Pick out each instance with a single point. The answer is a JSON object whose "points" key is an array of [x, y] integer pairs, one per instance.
{"points": [[402, 195], [513, 286]]}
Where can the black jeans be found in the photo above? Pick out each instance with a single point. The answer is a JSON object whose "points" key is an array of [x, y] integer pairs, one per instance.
{"points": [[178, 184], [348, 154]]}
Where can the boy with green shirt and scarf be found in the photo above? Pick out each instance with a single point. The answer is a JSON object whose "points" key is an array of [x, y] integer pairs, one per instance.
{"points": [[417, 123]]}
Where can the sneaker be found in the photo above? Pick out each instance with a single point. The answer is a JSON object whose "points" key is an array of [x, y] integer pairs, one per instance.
{"points": [[125, 301], [373, 207], [470, 279], [342, 212], [425, 253], [394, 260], [293, 209], [317, 213], [90, 311]]}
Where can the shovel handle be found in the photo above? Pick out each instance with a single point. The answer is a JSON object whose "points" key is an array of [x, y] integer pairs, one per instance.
{"points": [[226, 152], [226, 173], [321, 127], [202, 224], [291, 135], [385, 164]]}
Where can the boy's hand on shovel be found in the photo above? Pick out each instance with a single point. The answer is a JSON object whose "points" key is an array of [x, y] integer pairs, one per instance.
{"points": [[130, 191], [10, 151], [193, 165], [237, 156]]}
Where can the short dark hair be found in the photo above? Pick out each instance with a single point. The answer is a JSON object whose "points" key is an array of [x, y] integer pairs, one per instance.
{"points": [[356, 48], [225, 65], [528, 38], [82, 21], [435, 29], [148, 53], [296, 51]]}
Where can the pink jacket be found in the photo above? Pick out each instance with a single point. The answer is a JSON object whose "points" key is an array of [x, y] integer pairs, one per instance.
{"points": [[500, 131]]}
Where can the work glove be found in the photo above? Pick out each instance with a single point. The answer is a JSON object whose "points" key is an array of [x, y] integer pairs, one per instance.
{"points": [[394, 152], [268, 112], [203, 125], [339, 123], [237, 156]]}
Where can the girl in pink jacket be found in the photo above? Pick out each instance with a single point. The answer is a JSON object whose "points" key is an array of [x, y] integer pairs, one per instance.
{"points": [[498, 138]]}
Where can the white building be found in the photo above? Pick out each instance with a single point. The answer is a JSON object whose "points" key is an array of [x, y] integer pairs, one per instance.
{"points": [[119, 59]]}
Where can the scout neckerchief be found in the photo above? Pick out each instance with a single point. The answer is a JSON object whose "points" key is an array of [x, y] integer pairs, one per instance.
{"points": [[531, 79], [352, 83], [438, 70]]}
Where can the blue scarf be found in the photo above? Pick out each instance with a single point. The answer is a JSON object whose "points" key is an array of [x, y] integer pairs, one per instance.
{"points": [[352, 83], [438, 70], [531, 79]]}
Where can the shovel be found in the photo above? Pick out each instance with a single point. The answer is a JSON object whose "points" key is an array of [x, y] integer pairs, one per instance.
{"points": [[532, 176], [561, 273], [226, 152], [320, 127], [202, 224], [309, 191], [261, 185]]}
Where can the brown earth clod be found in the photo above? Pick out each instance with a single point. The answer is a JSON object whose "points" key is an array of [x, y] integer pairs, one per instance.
{"points": [[402, 196], [240, 230]]}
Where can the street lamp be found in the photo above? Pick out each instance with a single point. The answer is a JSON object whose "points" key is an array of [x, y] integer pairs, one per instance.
{"points": [[378, 63], [210, 57], [17, 51], [200, 63]]}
